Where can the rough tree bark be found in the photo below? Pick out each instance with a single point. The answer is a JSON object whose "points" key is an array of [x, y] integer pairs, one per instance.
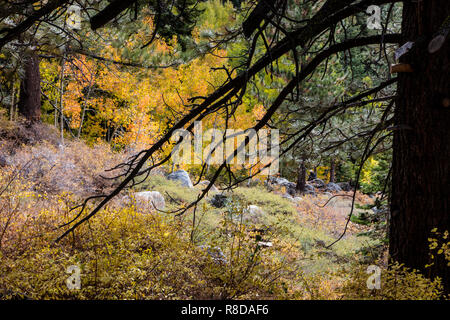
{"points": [[30, 89], [301, 178], [421, 173], [332, 170]]}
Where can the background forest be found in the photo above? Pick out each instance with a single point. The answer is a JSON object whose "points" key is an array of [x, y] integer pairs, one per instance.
{"points": [[83, 98]]}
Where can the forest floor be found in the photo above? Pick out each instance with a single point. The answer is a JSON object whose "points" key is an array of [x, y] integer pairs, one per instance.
{"points": [[131, 251]]}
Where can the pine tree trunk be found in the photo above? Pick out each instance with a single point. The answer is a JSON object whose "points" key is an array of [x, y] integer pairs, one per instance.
{"points": [[301, 178], [421, 173], [13, 102], [30, 89], [332, 170]]}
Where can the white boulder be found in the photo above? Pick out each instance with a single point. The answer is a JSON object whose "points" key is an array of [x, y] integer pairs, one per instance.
{"points": [[182, 177], [151, 198]]}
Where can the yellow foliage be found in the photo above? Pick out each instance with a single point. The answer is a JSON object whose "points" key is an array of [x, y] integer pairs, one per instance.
{"points": [[323, 172], [439, 244], [367, 171], [126, 252], [397, 283]]}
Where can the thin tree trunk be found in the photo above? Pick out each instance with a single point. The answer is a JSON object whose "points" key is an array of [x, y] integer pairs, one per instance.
{"points": [[56, 114], [61, 99], [13, 101], [420, 172], [332, 170], [108, 132], [30, 89], [84, 107], [301, 178]]}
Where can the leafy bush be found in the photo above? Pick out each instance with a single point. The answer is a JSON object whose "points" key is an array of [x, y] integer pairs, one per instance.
{"points": [[131, 253], [375, 173], [439, 245], [397, 283]]}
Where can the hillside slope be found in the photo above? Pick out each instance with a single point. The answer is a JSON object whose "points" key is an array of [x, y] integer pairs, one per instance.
{"points": [[259, 244]]}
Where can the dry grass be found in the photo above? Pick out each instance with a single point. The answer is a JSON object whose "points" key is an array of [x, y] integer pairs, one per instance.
{"points": [[37, 152]]}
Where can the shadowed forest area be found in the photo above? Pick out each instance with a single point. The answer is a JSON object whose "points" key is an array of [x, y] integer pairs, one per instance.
{"points": [[224, 150]]}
